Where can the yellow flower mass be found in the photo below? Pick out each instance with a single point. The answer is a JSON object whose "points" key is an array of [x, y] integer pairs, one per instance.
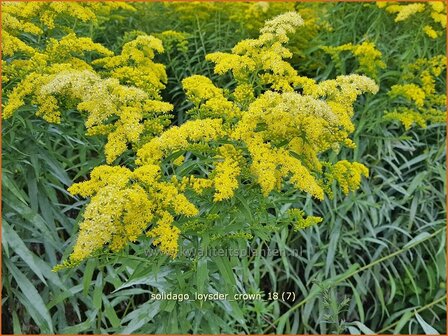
{"points": [[420, 102], [117, 102], [272, 129], [433, 11], [273, 136], [366, 53]]}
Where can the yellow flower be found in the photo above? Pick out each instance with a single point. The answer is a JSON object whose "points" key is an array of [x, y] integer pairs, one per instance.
{"points": [[70, 45], [430, 32], [281, 25], [127, 211], [434, 9], [199, 88], [62, 72], [48, 13], [179, 160], [179, 138], [12, 45], [439, 18], [197, 184], [263, 57], [209, 100], [103, 98], [135, 65], [409, 91], [166, 235], [300, 222], [100, 177], [348, 174], [244, 95], [368, 56], [172, 38], [426, 103], [408, 10], [301, 177], [407, 117], [226, 173]]}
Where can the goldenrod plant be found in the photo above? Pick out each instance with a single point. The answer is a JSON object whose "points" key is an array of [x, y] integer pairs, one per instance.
{"points": [[369, 58], [223, 167], [420, 98], [264, 132], [117, 94], [433, 12]]}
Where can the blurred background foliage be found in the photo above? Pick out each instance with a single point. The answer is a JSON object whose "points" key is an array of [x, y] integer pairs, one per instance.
{"points": [[375, 264]]}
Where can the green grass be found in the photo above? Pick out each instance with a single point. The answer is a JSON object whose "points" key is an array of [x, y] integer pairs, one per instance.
{"points": [[376, 263]]}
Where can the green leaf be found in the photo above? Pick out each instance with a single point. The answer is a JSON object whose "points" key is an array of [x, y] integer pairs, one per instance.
{"points": [[62, 296], [201, 274], [353, 330], [88, 274], [140, 317], [16, 324], [417, 239], [426, 327], [110, 313], [83, 326], [146, 276], [11, 186], [403, 321], [364, 329], [98, 291], [19, 247], [33, 301]]}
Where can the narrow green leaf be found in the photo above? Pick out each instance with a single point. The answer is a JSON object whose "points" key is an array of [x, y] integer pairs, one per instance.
{"points": [[39, 312], [88, 273], [403, 321], [426, 327], [110, 313], [364, 329], [19, 247], [98, 291]]}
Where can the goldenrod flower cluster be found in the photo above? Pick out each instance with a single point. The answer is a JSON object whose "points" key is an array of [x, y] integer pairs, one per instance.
{"points": [[32, 73], [348, 174], [173, 39], [252, 16], [103, 100], [421, 100], [368, 56], [227, 172], [433, 10], [118, 94], [135, 65], [261, 61], [195, 10], [301, 222], [130, 200], [35, 17], [270, 132]]}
